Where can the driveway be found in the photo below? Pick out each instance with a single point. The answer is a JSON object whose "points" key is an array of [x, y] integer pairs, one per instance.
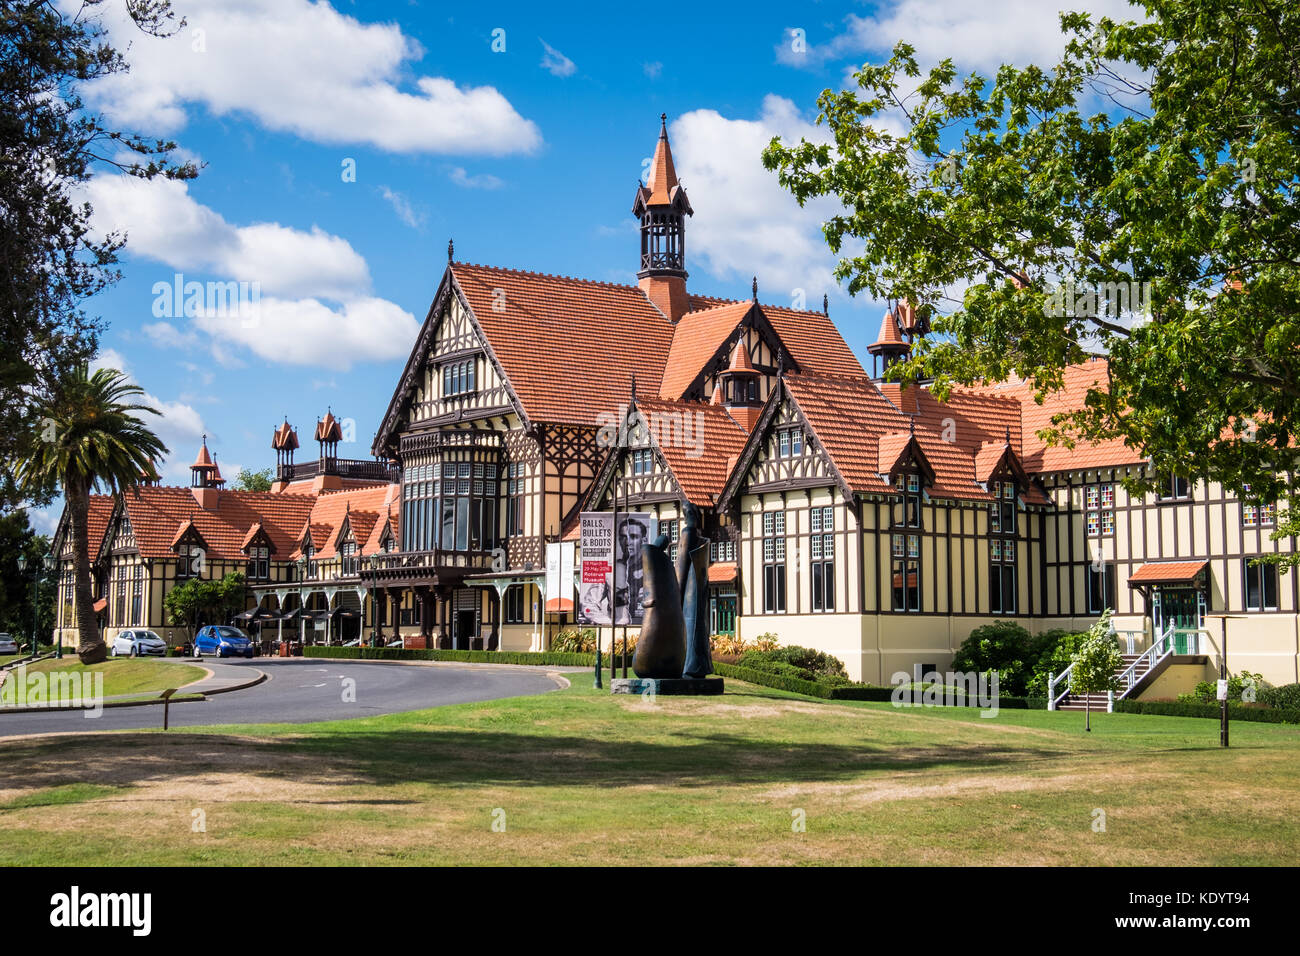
{"points": [[302, 690]]}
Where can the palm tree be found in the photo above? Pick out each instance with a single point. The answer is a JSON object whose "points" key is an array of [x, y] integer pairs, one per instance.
{"points": [[87, 435]]}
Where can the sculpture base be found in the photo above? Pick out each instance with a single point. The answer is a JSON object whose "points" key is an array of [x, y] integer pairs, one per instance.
{"points": [[669, 686]]}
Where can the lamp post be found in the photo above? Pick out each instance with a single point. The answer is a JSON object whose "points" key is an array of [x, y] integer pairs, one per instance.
{"points": [[301, 564], [48, 563]]}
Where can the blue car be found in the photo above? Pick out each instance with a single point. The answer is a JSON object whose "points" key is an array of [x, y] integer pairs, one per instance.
{"points": [[223, 642]]}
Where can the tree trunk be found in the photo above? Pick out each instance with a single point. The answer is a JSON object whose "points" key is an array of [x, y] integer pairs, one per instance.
{"points": [[1087, 714], [90, 646]]}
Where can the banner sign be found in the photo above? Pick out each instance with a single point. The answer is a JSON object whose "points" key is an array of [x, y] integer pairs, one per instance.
{"points": [[611, 589]]}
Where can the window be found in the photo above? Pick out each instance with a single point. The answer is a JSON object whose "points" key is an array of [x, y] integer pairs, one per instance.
{"points": [[259, 564], [1174, 486], [1002, 576], [670, 528], [458, 378], [189, 561], [310, 554], [137, 593], [822, 549], [722, 551], [1002, 509], [642, 461], [1099, 509], [1102, 589], [906, 583], [348, 553], [1261, 585], [514, 604], [907, 512], [419, 506], [790, 442], [773, 561], [515, 494], [1255, 515]]}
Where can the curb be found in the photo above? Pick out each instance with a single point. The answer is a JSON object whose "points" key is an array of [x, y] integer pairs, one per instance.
{"points": [[190, 698]]}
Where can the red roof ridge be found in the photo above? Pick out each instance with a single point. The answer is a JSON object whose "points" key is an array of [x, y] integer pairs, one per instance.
{"points": [[550, 275]]}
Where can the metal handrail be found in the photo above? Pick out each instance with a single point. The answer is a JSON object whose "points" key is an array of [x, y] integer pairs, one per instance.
{"points": [[1152, 656], [1052, 681]]}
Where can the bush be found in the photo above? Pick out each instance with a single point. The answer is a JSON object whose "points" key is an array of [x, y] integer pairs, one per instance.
{"points": [[1005, 647], [1058, 649], [1196, 708], [575, 641], [803, 662], [1286, 697], [1207, 691]]}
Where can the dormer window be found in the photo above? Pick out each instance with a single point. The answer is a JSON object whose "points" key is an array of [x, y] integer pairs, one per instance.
{"points": [[1002, 509], [259, 563], [309, 553], [642, 461], [907, 511], [790, 442], [348, 553], [458, 378]]}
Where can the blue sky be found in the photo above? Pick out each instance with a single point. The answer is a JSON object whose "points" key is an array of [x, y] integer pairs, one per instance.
{"points": [[528, 156]]}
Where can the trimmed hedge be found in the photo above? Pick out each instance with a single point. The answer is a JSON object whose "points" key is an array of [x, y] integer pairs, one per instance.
{"points": [[1174, 708], [534, 658], [772, 679]]}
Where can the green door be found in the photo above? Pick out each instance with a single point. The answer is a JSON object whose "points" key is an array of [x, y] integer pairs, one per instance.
{"points": [[724, 614], [1181, 607]]}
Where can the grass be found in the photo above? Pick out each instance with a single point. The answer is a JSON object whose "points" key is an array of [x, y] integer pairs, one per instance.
{"points": [[579, 776], [125, 676]]}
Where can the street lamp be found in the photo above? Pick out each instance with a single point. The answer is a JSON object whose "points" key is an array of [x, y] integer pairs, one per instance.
{"points": [[48, 563]]}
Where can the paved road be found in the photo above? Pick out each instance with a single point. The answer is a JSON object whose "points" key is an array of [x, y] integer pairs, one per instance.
{"points": [[301, 690]]}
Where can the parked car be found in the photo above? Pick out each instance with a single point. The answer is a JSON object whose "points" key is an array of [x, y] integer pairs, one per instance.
{"points": [[223, 641], [139, 643], [8, 645]]}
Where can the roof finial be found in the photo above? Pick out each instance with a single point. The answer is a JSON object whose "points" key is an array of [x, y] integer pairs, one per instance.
{"points": [[780, 363], [754, 288], [826, 304], [663, 125], [911, 425], [634, 388], [1008, 434], [451, 250]]}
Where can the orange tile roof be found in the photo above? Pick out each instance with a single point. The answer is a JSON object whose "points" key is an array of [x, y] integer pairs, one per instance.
{"points": [[328, 429], [724, 572], [157, 515], [968, 419], [987, 459], [698, 441], [204, 460], [361, 507], [889, 336], [285, 437], [662, 184], [555, 338], [695, 339], [814, 341], [1037, 456], [740, 359], [1167, 572]]}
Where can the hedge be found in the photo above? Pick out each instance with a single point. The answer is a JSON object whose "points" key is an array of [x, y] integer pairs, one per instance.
{"points": [[1174, 708], [534, 658], [778, 681]]}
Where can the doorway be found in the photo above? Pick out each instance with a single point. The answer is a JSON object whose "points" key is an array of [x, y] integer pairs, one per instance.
{"points": [[1184, 608], [466, 622]]}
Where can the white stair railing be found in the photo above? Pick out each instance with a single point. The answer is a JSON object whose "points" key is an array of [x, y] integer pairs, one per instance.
{"points": [[1160, 648], [1053, 698]]}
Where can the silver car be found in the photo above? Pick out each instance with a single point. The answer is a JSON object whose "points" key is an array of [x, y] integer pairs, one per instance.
{"points": [[139, 643], [8, 645]]}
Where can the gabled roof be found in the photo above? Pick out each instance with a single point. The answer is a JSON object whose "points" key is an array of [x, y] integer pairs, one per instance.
{"points": [[360, 508], [158, 515], [701, 463], [98, 516], [696, 339]]}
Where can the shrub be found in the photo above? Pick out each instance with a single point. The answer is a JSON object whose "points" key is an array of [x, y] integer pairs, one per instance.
{"points": [[1058, 649], [1207, 691], [1005, 647], [575, 641], [807, 663], [1286, 697]]}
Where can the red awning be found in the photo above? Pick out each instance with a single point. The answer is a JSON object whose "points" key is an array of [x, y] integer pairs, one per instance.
{"points": [[1168, 572], [101, 605], [722, 573], [559, 606]]}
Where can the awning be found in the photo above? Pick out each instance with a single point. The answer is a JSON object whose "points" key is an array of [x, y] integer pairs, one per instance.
{"points": [[722, 573], [101, 605], [256, 614], [1167, 572], [559, 606]]}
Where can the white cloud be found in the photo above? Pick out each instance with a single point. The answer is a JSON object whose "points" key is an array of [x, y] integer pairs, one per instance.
{"points": [[178, 424], [303, 68], [745, 223], [167, 336], [309, 332], [556, 62], [164, 222], [976, 36], [402, 206], [653, 70], [482, 181]]}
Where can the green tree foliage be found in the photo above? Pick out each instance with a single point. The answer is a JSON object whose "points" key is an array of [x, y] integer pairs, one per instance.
{"points": [[253, 480], [200, 601], [18, 538], [1095, 664], [88, 435], [1005, 647], [1162, 152], [50, 144]]}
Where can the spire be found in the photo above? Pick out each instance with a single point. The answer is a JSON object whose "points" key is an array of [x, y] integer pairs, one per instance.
{"points": [[662, 181], [662, 207]]}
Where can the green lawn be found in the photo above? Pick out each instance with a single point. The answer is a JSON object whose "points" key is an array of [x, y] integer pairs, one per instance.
{"points": [[127, 675], [582, 777]]}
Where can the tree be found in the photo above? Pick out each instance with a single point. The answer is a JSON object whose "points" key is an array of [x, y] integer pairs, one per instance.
{"points": [[18, 538], [198, 601], [50, 260], [253, 480], [88, 436], [1095, 664], [1054, 215]]}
